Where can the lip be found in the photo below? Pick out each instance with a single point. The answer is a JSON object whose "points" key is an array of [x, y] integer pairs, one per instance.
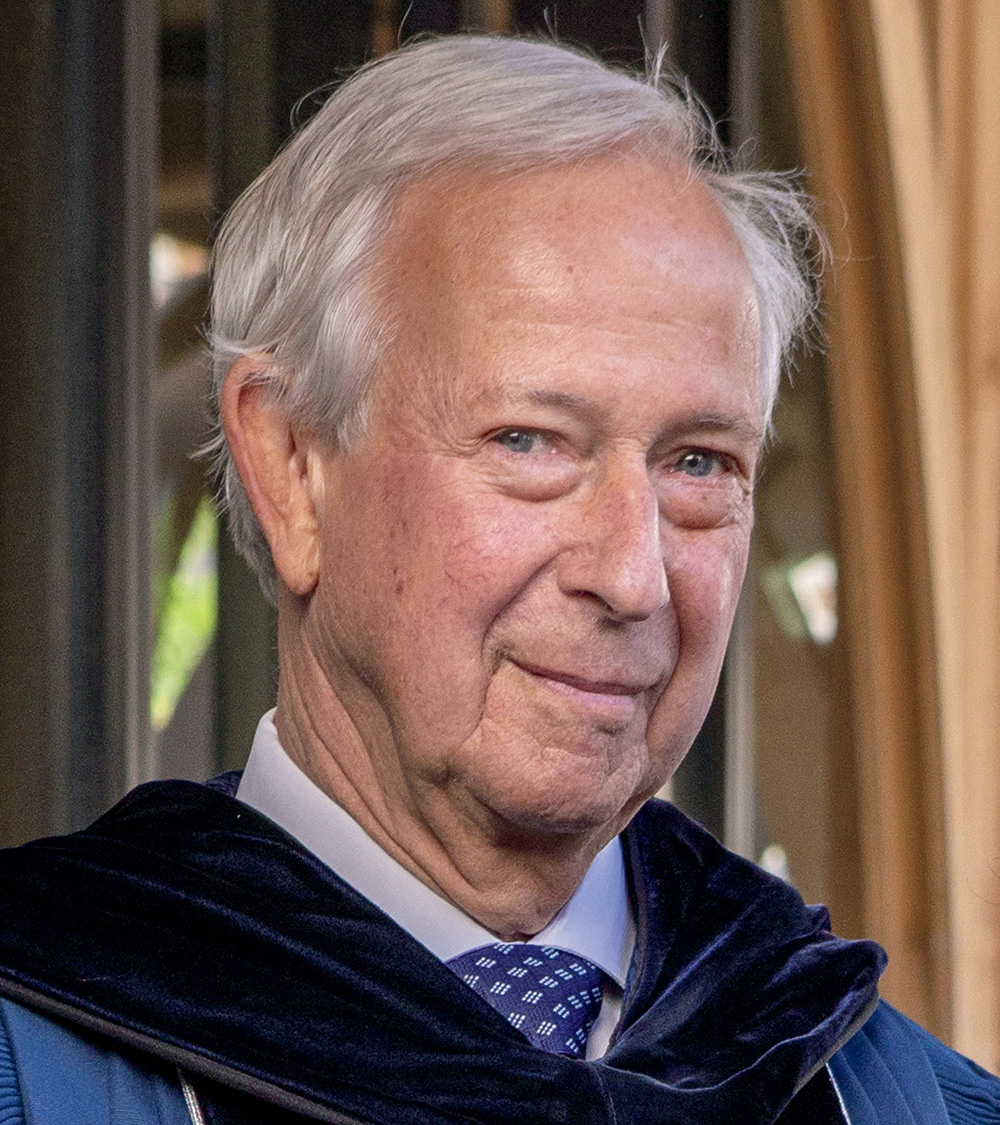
{"points": [[584, 684], [612, 703]]}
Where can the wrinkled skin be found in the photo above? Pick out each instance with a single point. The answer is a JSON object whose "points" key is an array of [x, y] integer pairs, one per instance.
{"points": [[526, 573]]}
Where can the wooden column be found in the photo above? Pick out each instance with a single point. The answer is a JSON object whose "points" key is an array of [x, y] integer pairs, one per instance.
{"points": [[968, 69], [898, 103], [886, 605]]}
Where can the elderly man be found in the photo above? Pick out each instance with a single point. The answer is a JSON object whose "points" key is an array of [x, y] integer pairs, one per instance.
{"points": [[497, 337]]}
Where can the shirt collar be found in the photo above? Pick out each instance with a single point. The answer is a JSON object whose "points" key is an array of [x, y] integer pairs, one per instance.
{"points": [[595, 923]]}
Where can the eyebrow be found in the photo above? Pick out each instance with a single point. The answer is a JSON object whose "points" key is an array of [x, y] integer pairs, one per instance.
{"points": [[719, 423], [697, 421], [564, 399]]}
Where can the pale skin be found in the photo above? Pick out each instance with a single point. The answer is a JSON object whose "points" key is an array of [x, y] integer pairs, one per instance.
{"points": [[503, 611]]}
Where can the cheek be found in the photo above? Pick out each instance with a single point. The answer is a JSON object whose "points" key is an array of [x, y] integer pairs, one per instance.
{"points": [[705, 573], [461, 568], [472, 555], [438, 566]]}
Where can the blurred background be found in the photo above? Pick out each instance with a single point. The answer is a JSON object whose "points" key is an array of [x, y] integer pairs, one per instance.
{"points": [[853, 744]]}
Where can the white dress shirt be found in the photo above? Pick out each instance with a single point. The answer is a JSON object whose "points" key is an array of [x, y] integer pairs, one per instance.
{"points": [[595, 923]]}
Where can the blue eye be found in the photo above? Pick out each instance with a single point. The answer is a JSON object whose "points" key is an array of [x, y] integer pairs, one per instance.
{"points": [[698, 463], [518, 441]]}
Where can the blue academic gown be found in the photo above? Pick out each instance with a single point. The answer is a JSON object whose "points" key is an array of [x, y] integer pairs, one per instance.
{"points": [[184, 930]]}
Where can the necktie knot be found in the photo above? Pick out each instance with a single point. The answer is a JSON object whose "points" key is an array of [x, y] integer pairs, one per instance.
{"points": [[552, 997]]}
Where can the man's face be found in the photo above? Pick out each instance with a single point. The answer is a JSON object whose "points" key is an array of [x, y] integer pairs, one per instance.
{"points": [[530, 565]]}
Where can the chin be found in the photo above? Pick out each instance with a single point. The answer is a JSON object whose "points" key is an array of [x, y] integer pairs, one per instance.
{"points": [[573, 810], [566, 787]]}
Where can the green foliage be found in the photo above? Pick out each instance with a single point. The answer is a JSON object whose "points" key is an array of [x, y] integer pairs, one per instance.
{"points": [[187, 617]]}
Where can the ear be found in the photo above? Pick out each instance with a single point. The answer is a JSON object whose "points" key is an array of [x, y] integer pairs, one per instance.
{"points": [[281, 471]]}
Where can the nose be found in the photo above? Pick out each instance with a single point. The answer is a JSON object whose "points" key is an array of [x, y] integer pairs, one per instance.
{"points": [[617, 554]]}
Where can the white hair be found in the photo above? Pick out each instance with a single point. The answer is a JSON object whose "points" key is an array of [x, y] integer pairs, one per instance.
{"points": [[294, 283]]}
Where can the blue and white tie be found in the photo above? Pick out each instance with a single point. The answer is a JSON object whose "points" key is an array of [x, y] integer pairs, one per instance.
{"points": [[552, 997]]}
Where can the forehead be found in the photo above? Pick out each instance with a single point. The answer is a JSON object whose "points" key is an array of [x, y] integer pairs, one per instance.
{"points": [[621, 258]]}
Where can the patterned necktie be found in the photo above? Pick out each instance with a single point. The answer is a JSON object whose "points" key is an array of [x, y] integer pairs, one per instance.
{"points": [[552, 997]]}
